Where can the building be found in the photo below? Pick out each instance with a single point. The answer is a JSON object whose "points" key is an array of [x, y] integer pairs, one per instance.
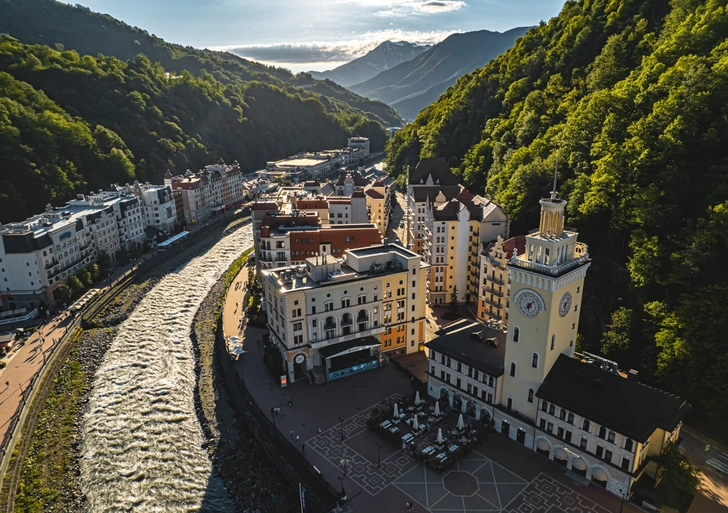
{"points": [[333, 317], [447, 225], [158, 204], [579, 410], [311, 165], [495, 286], [466, 367], [379, 204], [359, 147]]}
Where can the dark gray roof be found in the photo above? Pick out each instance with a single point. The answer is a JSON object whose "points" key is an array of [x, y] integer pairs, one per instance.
{"points": [[421, 193], [622, 405], [437, 167], [473, 344]]}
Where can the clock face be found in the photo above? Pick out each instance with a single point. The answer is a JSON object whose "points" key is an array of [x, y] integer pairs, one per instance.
{"points": [[565, 304], [530, 304]]}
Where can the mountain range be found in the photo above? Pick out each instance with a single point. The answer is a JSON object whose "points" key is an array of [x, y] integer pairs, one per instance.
{"points": [[385, 56], [412, 85]]}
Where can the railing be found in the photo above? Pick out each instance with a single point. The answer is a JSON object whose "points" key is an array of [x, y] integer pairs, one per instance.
{"points": [[553, 270]]}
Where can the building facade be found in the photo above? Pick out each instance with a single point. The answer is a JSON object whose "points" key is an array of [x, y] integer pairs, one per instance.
{"points": [[494, 283], [329, 318]]}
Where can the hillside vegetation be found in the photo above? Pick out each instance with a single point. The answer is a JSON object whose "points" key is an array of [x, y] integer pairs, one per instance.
{"points": [[71, 123], [630, 98], [80, 29]]}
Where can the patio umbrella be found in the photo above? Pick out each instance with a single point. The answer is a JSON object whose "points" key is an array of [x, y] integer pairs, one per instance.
{"points": [[461, 422], [237, 349], [234, 340], [439, 436], [414, 423], [396, 411], [437, 408], [417, 398]]}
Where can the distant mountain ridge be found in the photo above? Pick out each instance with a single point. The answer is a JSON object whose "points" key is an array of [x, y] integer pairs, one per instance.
{"points": [[385, 56], [414, 84]]}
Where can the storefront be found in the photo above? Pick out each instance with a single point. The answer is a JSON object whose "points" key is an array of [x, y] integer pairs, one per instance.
{"points": [[350, 357]]}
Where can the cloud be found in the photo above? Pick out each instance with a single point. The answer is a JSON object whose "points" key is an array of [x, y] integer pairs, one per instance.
{"points": [[407, 7], [322, 55]]}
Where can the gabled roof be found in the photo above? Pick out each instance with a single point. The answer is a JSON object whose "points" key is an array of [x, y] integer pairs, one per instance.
{"points": [[448, 211], [421, 193], [473, 344], [620, 404], [374, 194], [436, 167]]}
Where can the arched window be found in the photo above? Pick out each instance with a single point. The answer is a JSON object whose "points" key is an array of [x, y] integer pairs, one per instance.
{"points": [[513, 369], [516, 333], [534, 360], [346, 319], [330, 323], [553, 341], [547, 254], [586, 425], [530, 395], [362, 316]]}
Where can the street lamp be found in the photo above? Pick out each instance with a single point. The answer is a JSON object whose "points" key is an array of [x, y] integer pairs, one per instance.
{"points": [[342, 494], [344, 461], [342, 428], [379, 456], [621, 504]]}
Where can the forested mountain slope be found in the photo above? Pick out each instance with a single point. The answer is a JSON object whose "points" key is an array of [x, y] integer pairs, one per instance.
{"points": [[70, 124], [412, 85], [631, 99], [78, 28]]}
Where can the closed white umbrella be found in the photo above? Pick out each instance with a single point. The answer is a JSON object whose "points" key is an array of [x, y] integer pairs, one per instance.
{"points": [[417, 398], [236, 350], [461, 422], [439, 436], [234, 340], [437, 408], [396, 411], [414, 423]]}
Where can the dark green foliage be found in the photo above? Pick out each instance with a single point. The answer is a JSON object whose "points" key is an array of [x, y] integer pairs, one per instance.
{"points": [[630, 98], [71, 123], [679, 478]]}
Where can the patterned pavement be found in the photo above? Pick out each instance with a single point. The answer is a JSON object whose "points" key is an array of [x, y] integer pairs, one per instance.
{"points": [[475, 485], [544, 495], [492, 488]]}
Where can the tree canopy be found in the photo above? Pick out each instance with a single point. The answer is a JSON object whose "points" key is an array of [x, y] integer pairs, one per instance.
{"points": [[630, 99]]}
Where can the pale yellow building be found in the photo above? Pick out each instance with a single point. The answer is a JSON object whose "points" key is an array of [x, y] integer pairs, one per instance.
{"points": [[379, 205], [333, 317], [494, 284]]}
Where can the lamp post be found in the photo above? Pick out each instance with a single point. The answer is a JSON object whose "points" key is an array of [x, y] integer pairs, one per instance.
{"points": [[342, 428], [344, 462], [379, 456], [273, 414], [621, 504], [342, 494]]}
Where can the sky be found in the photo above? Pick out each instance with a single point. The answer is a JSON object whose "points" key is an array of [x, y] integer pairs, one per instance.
{"points": [[315, 35]]}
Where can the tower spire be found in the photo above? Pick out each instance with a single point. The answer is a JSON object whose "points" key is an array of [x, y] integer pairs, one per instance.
{"points": [[556, 170]]}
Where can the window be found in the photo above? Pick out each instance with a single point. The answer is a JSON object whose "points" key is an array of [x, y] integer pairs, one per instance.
{"points": [[560, 432], [553, 341], [516, 333], [552, 409], [628, 445], [513, 369], [530, 395], [610, 437], [534, 362], [585, 425], [544, 406], [542, 424], [567, 436], [509, 403], [608, 455], [549, 427], [600, 451], [583, 442], [626, 463], [562, 414], [458, 383], [570, 418], [602, 432]]}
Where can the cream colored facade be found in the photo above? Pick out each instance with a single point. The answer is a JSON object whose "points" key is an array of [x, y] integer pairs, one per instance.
{"points": [[494, 285], [379, 205], [378, 292], [550, 271]]}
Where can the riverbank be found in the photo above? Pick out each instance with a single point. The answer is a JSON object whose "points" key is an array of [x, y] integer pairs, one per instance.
{"points": [[253, 483], [49, 478]]}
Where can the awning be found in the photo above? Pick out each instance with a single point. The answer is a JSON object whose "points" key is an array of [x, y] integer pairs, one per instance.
{"points": [[579, 464], [560, 454], [349, 346], [599, 474], [543, 444]]}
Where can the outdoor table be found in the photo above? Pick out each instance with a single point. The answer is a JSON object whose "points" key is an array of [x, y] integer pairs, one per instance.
{"points": [[428, 450], [394, 429], [385, 424], [452, 448], [442, 456]]}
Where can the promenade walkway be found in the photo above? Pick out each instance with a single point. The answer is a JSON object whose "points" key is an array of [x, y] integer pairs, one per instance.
{"points": [[327, 423]]}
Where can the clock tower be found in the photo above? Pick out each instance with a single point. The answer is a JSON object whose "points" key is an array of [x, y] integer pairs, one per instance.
{"points": [[547, 284]]}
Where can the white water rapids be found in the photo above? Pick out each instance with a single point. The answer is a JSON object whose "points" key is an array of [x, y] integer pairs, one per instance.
{"points": [[141, 438]]}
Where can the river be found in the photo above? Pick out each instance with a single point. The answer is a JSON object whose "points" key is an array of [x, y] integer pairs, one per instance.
{"points": [[142, 444]]}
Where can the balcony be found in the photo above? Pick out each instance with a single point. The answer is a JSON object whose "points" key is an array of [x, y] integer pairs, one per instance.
{"points": [[494, 292], [376, 330], [581, 257], [493, 303]]}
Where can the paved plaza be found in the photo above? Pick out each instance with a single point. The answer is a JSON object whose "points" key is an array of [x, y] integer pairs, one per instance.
{"points": [[500, 475]]}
